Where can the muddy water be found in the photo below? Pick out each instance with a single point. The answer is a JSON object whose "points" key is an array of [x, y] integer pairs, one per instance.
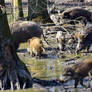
{"points": [[51, 68]]}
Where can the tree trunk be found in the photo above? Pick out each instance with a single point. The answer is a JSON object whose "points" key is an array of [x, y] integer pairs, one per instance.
{"points": [[17, 9], [21, 16], [13, 72], [38, 8]]}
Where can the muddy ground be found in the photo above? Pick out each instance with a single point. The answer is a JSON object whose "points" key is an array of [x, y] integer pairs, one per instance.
{"points": [[51, 64]]}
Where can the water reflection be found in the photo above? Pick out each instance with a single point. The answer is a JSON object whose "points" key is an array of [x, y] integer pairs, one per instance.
{"points": [[49, 69], [52, 89]]}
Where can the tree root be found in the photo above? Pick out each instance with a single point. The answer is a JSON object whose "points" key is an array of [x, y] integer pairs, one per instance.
{"points": [[15, 80], [13, 72]]}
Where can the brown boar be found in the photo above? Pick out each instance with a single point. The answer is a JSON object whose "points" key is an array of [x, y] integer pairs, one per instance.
{"points": [[77, 72], [84, 39], [35, 46], [74, 37], [90, 77], [71, 39], [77, 14]]}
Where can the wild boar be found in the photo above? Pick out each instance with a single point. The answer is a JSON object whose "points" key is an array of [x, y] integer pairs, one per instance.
{"points": [[90, 78], [71, 39], [74, 37], [78, 14], [24, 30], [35, 47], [60, 38], [84, 39], [77, 72]]}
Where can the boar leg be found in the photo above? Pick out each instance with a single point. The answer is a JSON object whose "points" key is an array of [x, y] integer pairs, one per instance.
{"points": [[76, 82], [88, 47], [57, 42], [32, 54], [63, 46], [81, 82], [91, 85]]}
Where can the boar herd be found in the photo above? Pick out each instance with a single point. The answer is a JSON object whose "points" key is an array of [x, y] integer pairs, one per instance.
{"points": [[83, 68], [84, 37], [24, 31]]}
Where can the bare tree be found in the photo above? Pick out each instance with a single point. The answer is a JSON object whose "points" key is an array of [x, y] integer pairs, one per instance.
{"points": [[20, 9], [17, 9], [38, 8], [13, 72]]}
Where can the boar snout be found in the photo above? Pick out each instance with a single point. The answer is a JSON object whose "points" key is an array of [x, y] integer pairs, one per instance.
{"points": [[64, 79], [60, 81]]}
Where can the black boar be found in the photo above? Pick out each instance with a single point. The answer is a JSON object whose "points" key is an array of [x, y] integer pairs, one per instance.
{"points": [[77, 72], [84, 39], [24, 30], [78, 14]]}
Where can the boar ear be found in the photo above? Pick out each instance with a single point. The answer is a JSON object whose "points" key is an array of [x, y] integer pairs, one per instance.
{"points": [[69, 70]]}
